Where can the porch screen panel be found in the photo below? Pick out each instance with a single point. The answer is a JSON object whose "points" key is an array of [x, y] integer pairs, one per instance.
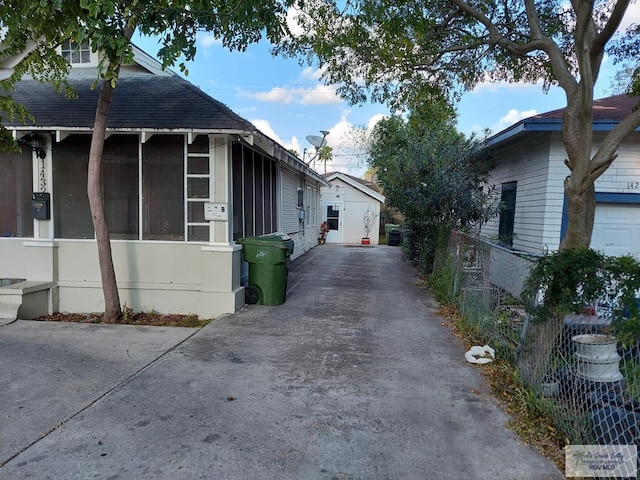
{"points": [[16, 185], [274, 196], [254, 192], [237, 206], [70, 202], [163, 188], [120, 185], [269, 225], [249, 185], [259, 198]]}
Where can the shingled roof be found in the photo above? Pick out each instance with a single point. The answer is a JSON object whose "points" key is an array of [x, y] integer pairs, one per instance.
{"points": [[610, 108], [141, 101], [607, 113]]}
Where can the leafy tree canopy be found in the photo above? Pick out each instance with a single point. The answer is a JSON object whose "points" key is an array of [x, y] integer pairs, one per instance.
{"points": [[431, 174], [33, 30], [390, 50], [435, 49]]}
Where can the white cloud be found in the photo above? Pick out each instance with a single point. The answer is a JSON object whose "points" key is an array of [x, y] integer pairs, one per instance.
{"points": [[265, 127], [513, 116], [275, 95], [631, 16], [206, 40], [293, 15], [348, 142], [311, 73], [317, 95]]}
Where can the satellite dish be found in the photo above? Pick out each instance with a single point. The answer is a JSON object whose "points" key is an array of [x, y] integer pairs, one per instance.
{"points": [[316, 140]]}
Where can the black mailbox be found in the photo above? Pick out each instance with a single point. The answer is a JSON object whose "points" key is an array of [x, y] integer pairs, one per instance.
{"points": [[40, 206]]}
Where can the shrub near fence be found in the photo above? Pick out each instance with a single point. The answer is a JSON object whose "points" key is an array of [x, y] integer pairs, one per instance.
{"points": [[581, 390]]}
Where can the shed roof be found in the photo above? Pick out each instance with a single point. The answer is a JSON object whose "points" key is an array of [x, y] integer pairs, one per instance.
{"points": [[355, 182]]}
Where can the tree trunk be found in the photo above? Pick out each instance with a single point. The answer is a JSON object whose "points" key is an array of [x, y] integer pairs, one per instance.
{"points": [[579, 186], [112, 308], [581, 207]]}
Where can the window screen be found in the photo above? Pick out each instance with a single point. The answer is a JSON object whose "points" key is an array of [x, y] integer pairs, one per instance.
{"points": [[163, 187], [70, 202], [120, 186], [16, 185]]}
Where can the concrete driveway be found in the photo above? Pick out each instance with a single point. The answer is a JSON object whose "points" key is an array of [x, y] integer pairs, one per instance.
{"points": [[354, 377]]}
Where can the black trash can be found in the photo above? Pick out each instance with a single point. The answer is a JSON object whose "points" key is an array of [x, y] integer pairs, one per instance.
{"points": [[394, 238]]}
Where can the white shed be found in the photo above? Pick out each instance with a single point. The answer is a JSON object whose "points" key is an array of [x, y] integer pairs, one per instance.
{"points": [[348, 205]]}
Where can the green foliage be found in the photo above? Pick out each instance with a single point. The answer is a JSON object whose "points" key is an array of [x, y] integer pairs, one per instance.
{"points": [[572, 280], [432, 175], [406, 51], [391, 50], [325, 154], [33, 29]]}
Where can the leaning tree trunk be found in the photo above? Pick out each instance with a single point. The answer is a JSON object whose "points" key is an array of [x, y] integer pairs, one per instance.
{"points": [[579, 186], [112, 308]]}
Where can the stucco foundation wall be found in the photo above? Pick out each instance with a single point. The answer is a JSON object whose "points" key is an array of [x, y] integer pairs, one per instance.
{"points": [[20, 255], [163, 276]]}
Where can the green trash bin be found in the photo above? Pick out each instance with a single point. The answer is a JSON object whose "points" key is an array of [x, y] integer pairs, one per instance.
{"points": [[389, 227], [268, 258]]}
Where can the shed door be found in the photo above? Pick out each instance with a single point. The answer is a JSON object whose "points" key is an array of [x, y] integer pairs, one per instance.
{"points": [[332, 214], [616, 229]]}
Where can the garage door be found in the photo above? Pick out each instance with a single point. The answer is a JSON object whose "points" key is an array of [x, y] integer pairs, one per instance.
{"points": [[616, 229]]}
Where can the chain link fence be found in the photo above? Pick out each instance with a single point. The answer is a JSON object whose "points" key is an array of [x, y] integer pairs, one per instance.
{"points": [[579, 375]]}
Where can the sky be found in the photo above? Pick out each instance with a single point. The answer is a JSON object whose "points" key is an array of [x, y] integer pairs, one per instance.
{"points": [[287, 101]]}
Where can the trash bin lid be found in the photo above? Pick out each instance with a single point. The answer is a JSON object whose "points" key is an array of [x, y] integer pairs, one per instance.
{"points": [[267, 240]]}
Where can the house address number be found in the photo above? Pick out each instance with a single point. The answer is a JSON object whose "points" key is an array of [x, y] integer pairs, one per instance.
{"points": [[633, 185]]}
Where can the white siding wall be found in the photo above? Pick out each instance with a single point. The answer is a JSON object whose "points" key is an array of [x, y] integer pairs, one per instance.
{"points": [[290, 220], [524, 161], [536, 162], [304, 233], [355, 206], [623, 176]]}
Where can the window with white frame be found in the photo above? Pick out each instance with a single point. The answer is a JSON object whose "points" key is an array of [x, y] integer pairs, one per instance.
{"points": [[76, 53], [311, 206]]}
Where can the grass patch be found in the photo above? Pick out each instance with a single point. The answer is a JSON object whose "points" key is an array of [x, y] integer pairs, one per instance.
{"points": [[531, 415]]}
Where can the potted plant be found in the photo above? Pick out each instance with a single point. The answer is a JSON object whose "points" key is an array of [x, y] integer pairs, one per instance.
{"points": [[324, 229], [369, 219]]}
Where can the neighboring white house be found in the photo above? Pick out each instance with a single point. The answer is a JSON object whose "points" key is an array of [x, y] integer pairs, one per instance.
{"points": [[529, 181], [184, 177], [346, 202]]}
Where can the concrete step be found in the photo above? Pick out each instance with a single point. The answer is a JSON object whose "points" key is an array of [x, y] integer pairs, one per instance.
{"points": [[8, 312]]}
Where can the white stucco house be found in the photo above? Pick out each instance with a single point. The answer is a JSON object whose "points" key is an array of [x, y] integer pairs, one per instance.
{"points": [[184, 177], [529, 175], [346, 202]]}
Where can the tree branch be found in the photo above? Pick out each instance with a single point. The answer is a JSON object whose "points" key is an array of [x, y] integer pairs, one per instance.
{"points": [[612, 25], [539, 42], [608, 148]]}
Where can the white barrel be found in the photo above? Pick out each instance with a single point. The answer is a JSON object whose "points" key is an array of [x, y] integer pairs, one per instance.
{"points": [[597, 357]]}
